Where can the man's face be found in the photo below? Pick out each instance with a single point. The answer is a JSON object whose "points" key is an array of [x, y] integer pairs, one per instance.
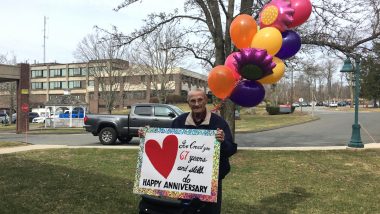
{"points": [[197, 102]]}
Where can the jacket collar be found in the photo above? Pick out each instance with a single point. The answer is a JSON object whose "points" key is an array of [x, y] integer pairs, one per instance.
{"points": [[190, 121]]}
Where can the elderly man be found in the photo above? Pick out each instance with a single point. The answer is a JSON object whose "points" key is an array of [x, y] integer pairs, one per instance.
{"points": [[201, 118]]}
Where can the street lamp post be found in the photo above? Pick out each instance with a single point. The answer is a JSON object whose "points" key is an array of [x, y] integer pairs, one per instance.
{"points": [[356, 141]]}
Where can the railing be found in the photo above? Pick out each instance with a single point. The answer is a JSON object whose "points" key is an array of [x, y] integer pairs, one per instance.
{"points": [[64, 122]]}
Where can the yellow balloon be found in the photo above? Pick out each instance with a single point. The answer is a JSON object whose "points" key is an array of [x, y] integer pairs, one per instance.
{"points": [[268, 38], [278, 72]]}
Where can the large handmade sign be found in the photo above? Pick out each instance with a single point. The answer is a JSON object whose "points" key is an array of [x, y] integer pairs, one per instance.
{"points": [[178, 163]]}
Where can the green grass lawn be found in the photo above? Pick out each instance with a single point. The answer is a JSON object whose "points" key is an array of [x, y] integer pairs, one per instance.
{"points": [[263, 121], [11, 144], [40, 129], [101, 181]]}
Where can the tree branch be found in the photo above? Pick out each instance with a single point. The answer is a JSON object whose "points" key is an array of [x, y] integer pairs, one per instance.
{"points": [[138, 34], [124, 4], [194, 53], [208, 17], [223, 8]]}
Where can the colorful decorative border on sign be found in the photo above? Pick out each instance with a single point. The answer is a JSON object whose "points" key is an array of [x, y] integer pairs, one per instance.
{"points": [[175, 194]]}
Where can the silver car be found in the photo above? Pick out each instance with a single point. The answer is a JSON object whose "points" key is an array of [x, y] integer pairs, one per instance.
{"points": [[4, 118]]}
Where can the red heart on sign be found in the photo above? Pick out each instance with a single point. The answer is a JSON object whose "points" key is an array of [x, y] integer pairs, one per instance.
{"points": [[163, 158]]}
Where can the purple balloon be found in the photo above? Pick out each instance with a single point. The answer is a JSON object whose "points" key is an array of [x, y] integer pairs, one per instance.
{"points": [[291, 44], [248, 93]]}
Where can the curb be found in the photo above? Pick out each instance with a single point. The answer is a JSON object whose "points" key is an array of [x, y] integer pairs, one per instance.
{"points": [[9, 150]]}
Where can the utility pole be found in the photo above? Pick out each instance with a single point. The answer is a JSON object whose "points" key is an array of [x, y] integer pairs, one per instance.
{"points": [[45, 39]]}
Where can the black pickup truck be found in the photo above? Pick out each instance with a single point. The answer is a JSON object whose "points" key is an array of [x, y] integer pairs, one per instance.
{"points": [[125, 127]]}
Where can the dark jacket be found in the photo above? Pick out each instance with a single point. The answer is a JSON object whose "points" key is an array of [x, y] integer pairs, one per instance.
{"points": [[228, 147]]}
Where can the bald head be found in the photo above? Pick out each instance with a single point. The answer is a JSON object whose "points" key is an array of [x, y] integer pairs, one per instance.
{"points": [[196, 92], [197, 101]]}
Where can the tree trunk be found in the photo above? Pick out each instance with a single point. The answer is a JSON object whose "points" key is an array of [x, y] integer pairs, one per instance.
{"points": [[246, 7], [228, 113]]}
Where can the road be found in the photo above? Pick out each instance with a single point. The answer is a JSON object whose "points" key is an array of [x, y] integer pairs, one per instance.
{"points": [[333, 129]]}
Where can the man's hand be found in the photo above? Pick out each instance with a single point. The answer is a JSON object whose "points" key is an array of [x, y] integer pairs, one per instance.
{"points": [[219, 135]]}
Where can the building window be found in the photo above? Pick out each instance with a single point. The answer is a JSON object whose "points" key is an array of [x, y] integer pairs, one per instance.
{"points": [[63, 72], [74, 84], [91, 71], [83, 71], [91, 83], [39, 85], [75, 72], [57, 72], [171, 77], [64, 84], [39, 73], [142, 78], [55, 85], [95, 71]]}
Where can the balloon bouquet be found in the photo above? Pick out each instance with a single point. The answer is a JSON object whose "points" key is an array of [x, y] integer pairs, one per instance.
{"points": [[261, 51]]}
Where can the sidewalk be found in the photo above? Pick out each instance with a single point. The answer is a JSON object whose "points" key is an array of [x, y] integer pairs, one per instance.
{"points": [[7, 150]]}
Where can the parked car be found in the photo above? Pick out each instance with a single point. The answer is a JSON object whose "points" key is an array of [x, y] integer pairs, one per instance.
{"points": [[342, 103], [296, 104], [125, 127], [319, 103], [333, 104], [4, 118], [31, 116], [14, 117], [39, 120]]}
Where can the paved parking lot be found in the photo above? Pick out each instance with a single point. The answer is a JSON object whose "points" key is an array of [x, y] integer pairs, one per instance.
{"points": [[333, 129]]}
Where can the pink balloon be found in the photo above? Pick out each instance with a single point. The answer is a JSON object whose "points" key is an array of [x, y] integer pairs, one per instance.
{"points": [[231, 63], [302, 11], [278, 14]]}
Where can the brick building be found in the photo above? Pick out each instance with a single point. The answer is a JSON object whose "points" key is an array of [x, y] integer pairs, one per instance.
{"points": [[48, 81]]}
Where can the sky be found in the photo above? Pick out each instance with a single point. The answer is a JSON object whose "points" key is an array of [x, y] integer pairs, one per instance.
{"points": [[68, 22]]}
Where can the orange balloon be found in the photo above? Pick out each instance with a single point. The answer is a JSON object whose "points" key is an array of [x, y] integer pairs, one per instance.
{"points": [[268, 38], [278, 72], [221, 81], [242, 30]]}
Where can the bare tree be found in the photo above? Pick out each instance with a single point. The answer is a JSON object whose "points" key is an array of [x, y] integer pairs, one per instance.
{"points": [[312, 72], [155, 57], [335, 25], [346, 27], [328, 70], [107, 66], [9, 88]]}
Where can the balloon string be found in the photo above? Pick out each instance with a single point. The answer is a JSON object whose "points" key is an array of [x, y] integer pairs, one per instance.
{"points": [[218, 106]]}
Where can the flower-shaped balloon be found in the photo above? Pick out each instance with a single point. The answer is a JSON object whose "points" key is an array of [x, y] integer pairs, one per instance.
{"points": [[254, 64], [278, 14]]}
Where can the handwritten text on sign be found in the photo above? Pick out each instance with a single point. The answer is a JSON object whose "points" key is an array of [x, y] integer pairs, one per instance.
{"points": [[178, 163]]}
